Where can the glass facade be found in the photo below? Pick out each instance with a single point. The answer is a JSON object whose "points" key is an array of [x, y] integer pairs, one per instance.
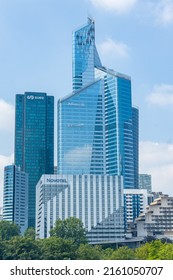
{"points": [[145, 182], [34, 140], [135, 118], [80, 138], [8, 193], [135, 202], [15, 196], [97, 130], [83, 55]]}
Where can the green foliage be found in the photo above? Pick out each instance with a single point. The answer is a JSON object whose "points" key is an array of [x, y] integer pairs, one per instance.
{"points": [[8, 230], [68, 241], [71, 228], [56, 248], [107, 253], [123, 253], [2, 249], [166, 252], [22, 248], [142, 253], [89, 252], [30, 232], [154, 248]]}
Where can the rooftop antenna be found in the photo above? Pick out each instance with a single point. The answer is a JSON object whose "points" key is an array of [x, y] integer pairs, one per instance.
{"points": [[90, 18]]}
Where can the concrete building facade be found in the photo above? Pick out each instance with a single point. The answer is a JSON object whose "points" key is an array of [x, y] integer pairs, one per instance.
{"points": [[96, 200], [157, 219], [135, 202]]}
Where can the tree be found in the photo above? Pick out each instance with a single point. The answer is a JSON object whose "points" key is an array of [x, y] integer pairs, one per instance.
{"points": [[30, 232], [154, 248], [56, 248], [107, 253], [71, 228], [123, 253], [89, 252], [8, 230], [22, 248], [166, 252], [142, 252], [2, 249]]}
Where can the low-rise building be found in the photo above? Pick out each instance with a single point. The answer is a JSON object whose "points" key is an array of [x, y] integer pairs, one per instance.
{"points": [[157, 219], [153, 195]]}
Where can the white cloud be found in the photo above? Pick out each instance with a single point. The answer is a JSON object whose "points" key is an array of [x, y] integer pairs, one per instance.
{"points": [[113, 49], [119, 6], [163, 11], [160, 10], [161, 95], [157, 159], [6, 116], [4, 160]]}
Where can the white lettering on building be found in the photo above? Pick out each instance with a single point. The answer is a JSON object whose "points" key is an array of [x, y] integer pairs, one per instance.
{"points": [[50, 180], [76, 104], [32, 97]]}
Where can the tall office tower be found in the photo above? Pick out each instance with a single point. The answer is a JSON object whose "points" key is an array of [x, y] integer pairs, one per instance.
{"points": [[135, 121], [34, 140], [96, 122], [145, 182], [15, 196]]}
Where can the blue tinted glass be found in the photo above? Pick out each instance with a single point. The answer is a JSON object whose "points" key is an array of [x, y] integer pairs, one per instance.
{"points": [[97, 126], [34, 140]]}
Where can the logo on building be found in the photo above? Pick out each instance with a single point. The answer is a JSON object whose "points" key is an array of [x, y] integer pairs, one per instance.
{"points": [[31, 97], [50, 180]]}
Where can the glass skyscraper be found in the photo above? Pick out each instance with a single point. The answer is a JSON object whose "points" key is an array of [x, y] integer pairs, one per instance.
{"points": [[135, 121], [15, 197], [145, 182], [34, 140], [97, 126]]}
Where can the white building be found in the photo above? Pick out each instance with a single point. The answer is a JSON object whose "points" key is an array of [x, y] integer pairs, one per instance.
{"points": [[157, 219], [96, 200]]}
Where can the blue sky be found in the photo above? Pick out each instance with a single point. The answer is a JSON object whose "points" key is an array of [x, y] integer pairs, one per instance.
{"points": [[132, 36]]}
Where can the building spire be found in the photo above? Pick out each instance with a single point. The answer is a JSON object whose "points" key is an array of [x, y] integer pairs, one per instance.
{"points": [[90, 19]]}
